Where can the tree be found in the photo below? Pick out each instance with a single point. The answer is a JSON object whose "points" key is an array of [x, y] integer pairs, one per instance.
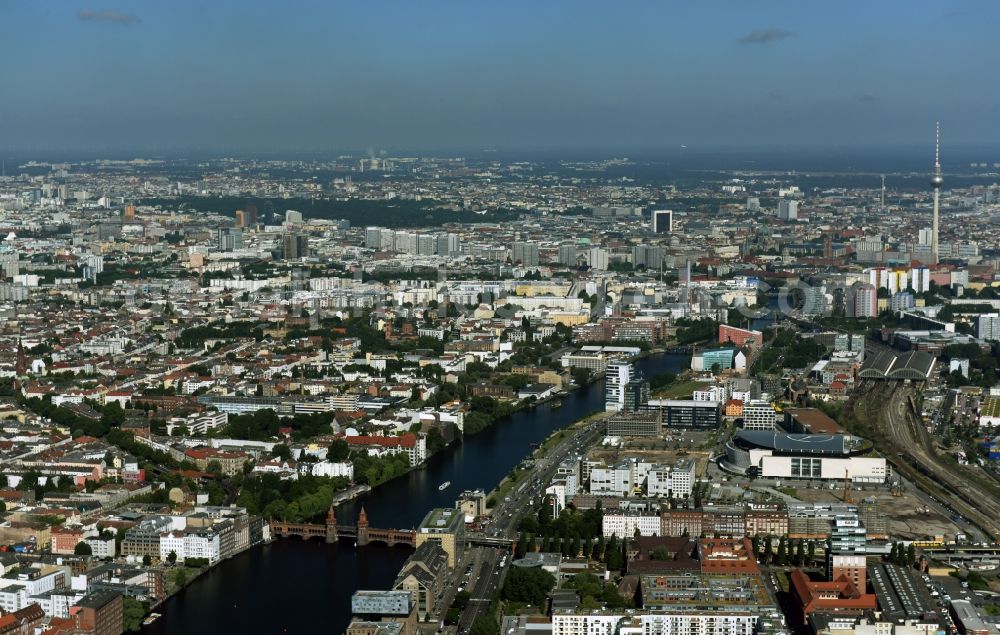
{"points": [[484, 625], [146, 560], [613, 557], [660, 553], [214, 467], [133, 612], [598, 551], [180, 577], [768, 550], [527, 585], [282, 451], [83, 549], [461, 600], [339, 451], [911, 556], [581, 376], [522, 546], [172, 557]]}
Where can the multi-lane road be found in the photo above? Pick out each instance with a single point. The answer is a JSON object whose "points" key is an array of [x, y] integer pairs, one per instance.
{"points": [[490, 564]]}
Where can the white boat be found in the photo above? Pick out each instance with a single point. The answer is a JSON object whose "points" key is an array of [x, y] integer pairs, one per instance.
{"points": [[443, 486]]}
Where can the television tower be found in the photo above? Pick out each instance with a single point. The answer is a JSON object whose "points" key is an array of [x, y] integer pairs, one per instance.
{"points": [[936, 182]]}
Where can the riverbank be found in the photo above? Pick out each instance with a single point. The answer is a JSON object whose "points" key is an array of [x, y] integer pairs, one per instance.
{"points": [[271, 575], [516, 477]]}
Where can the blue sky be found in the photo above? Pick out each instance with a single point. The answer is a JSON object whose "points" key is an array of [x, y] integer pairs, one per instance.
{"points": [[227, 75]]}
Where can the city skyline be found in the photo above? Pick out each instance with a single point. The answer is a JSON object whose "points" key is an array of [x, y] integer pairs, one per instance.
{"points": [[252, 77]]}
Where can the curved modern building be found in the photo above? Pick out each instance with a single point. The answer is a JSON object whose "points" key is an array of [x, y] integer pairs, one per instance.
{"points": [[803, 456]]}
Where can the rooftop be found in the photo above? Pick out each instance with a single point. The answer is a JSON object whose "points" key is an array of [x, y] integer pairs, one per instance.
{"points": [[441, 520]]}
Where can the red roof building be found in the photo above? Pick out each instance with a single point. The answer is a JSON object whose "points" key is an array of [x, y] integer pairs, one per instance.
{"points": [[839, 596]]}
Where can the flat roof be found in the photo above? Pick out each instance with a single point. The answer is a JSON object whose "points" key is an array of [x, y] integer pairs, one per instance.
{"points": [[814, 421], [442, 520]]}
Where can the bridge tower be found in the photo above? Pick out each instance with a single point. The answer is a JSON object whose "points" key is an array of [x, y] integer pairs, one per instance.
{"points": [[331, 526], [362, 528]]}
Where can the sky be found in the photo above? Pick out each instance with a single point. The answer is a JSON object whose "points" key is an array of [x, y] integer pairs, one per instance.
{"points": [[234, 76]]}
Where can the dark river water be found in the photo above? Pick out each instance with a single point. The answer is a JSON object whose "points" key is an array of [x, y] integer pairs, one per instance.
{"points": [[292, 586]]}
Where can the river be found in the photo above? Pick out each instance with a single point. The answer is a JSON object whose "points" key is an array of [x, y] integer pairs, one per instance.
{"points": [[293, 586]]}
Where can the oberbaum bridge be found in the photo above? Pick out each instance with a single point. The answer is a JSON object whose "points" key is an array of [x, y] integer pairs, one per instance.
{"points": [[363, 534]]}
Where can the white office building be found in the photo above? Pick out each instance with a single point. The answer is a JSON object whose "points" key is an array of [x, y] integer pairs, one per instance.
{"points": [[616, 378], [617, 480], [759, 415], [675, 481], [625, 524]]}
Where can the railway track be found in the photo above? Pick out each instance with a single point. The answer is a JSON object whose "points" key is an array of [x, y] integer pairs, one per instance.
{"points": [[909, 447]]}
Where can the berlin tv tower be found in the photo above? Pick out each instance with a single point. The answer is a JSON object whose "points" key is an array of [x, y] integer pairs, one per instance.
{"points": [[936, 182]]}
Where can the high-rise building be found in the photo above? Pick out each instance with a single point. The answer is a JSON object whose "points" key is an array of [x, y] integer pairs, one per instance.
{"points": [[373, 237], [814, 301], [920, 279], [862, 301], [598, 258], [663, 221], [759, 415], [10, 264], [846, 549], [636, 394], [753, 204], [295, 245], [406, 242], [251, 214], [901, 301], [241, 218], [649, 256], [988, 326], [788, 209], [426, 244], [567, 254], [230, 238], [448, 245], [387, 240], [525, 253], [925, 236], [292, 217], [128, 213], [616, 379]]}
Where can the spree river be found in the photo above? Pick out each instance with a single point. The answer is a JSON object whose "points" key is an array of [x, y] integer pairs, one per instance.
{"points": [[295, 586]]}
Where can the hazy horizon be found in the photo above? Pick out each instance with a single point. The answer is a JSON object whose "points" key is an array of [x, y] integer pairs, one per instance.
{"points": [[139, 76]]}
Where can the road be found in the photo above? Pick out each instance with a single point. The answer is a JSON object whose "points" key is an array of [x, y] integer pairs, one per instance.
{"points": [[490, 564]]}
